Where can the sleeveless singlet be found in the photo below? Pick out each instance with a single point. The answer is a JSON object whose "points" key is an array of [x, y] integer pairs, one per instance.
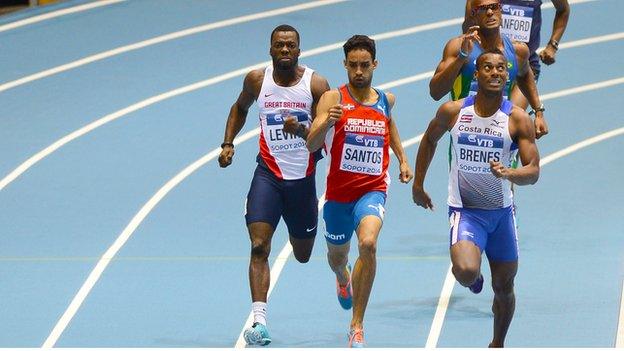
{"points": [[359, 147], [476, 140], [285, 155]]}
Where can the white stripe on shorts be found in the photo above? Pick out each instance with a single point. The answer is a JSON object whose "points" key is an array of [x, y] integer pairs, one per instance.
{"points": [[455, 227]]}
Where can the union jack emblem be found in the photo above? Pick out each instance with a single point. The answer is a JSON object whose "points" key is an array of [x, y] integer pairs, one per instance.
{"points": [[348, 107]]}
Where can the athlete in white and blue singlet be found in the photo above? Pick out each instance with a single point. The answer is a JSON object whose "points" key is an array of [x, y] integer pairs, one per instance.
{"points": [[283, 184], [486, 133]]}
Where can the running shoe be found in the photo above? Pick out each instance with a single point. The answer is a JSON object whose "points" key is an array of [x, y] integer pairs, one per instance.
{"points": [[345, 293], [356, 338], [477, 285], [257, 335]]}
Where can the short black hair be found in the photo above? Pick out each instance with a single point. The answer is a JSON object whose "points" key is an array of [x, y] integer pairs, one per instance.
{"points": [[284, 28], [487, 52], [360, 42]]}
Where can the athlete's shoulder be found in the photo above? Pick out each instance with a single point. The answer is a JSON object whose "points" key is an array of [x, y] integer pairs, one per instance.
{"points": [[253, 81], [318, 85], [521, 48], [331, 96], [390, 97]]}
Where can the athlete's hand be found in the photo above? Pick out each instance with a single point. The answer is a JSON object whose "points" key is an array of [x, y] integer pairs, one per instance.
{"points": [[541, 128], [499, 171], [548, 55], [291, 124], [406, 173], [335, 114], [421, 198], [225, 158], [469, 38]]}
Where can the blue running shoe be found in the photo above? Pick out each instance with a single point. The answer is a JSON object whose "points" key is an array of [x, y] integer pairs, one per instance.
{"points": [[257, 335], [356, 338], [477, 285], [345, 293]]}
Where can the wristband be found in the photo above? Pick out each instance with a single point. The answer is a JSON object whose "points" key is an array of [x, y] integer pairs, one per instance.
{"points": [[462, 54], [539, 109], [554, 44], [227, 144]]}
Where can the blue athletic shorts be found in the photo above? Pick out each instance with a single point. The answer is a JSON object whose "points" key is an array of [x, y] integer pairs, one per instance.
{"points": [[342, 218], [493, 231], [270, 198]]}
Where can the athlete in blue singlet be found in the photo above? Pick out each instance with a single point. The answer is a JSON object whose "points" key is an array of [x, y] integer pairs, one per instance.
{"points": [[522, 21], [486, 133], [487, 16]]}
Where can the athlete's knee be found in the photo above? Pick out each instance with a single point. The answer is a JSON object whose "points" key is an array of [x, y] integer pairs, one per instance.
{"points": [[466, 273], [367, 246], [260, 249], [503, 287], [302, 256]]}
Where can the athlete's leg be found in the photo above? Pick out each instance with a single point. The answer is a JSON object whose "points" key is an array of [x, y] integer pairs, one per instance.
{"points": [[338, 258], [260, 234], [466, 260], [365, 267], [262, 214], [301, 215], [467, 240], [504, 305]]}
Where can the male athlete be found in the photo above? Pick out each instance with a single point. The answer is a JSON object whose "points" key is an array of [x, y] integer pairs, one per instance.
{"points": [[283, 184], [356, 124], [487, 131], [522, 21], [455, 73]]}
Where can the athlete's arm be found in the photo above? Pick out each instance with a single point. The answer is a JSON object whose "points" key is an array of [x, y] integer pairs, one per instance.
{"points": [[559, 26], [440, 124], [528, 87], [467, 18], [328, 111], [318, 86], [523, 134], [405, 171], [238, 114], [452, 62]]}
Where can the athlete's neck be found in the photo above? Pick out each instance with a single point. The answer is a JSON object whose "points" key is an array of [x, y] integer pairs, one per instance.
{"points": [[287, 77], [491, 39], [486, 104], [364, 96]]}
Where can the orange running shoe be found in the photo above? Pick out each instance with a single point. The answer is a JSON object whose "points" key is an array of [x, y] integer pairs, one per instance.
{"points": [[356, 338], [345, 293]]}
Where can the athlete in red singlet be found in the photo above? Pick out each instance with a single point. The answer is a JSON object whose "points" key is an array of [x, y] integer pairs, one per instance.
{"points": [[356, 125]]}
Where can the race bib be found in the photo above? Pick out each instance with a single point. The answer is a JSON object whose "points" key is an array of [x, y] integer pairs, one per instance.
{"points": [[280, 141], [362, 154], [477, 150], [517, 22]]}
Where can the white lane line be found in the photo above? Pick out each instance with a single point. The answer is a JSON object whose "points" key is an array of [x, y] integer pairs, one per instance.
{"points": [[449, 281], [203, 28], [619, 337], [54, 14], [189, 88], [164, 38]]}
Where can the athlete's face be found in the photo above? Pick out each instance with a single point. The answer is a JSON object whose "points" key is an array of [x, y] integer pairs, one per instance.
{"points": [[360, 66], [486, 13], [285, 50], [492, 73]]}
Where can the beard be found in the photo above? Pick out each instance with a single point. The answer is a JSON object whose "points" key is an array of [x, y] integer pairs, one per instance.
{"points": [[285, 65]]}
